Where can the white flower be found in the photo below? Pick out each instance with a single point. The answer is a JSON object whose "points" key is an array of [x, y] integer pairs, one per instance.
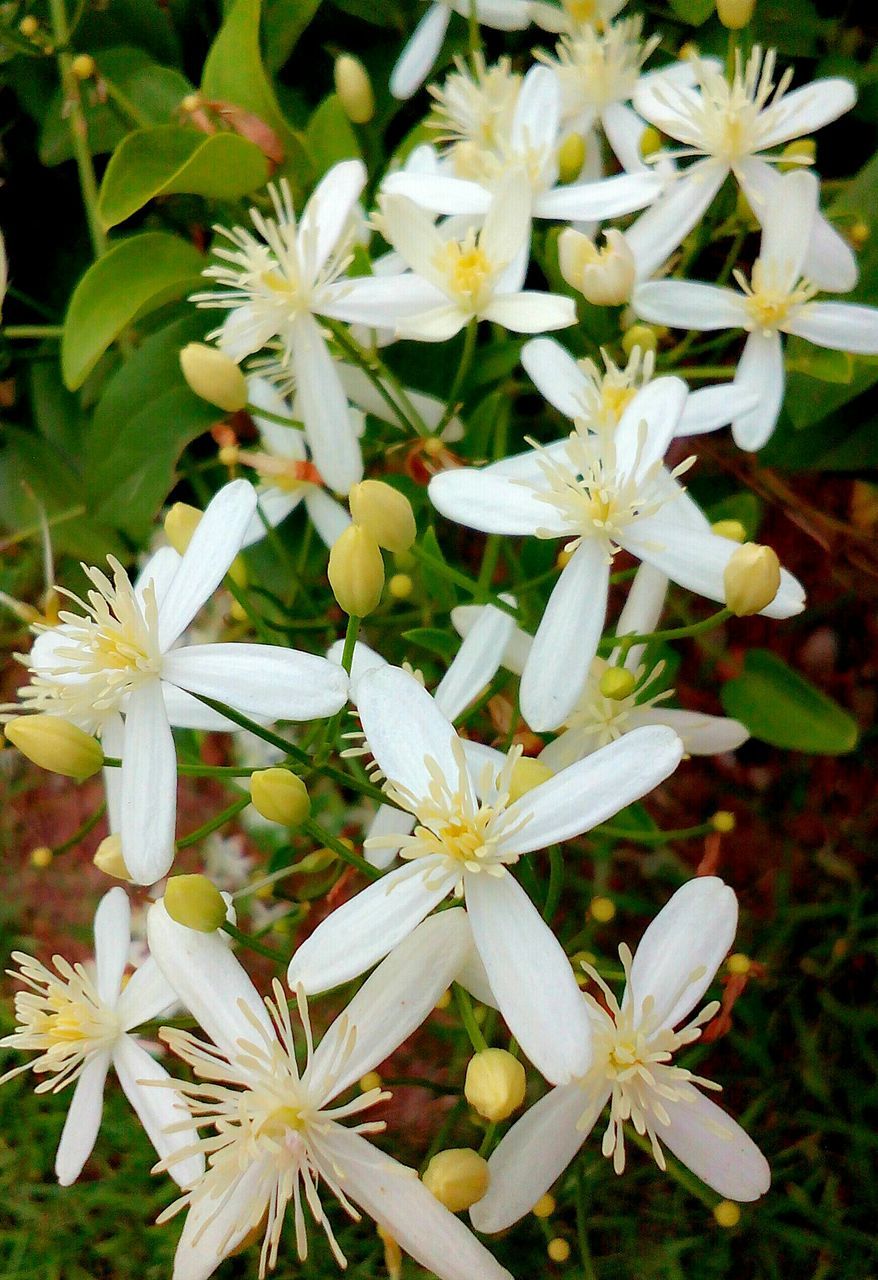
{"points": [[422, 49], [276, 1133], [453, 282], [274, 283], [776, 300], [120, 658], [633, 1046], [729, 127], [80, 1026], [468, 837], [598, 492], [573, 17]]}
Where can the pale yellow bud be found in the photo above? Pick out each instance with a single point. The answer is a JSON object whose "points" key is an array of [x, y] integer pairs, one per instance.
{"points": [[727, 1213], [196, 902], [735, 14], [385, 512], [751, 579], [744, 210], [650, 142], [644, 336], [56, 745], [558, 1250], [214, 376], [571, 157], [354, 89], [527, 773], [28, 26], [859, 234], [495, 1084], [723, 821], [731, 529], [280, 796], [797, 152], [604, 277], [457, 1178], [400, 586], [237, 612], [41, 857], [544, 1207], [109, 858], [180, 524], [192, 102], [617, 683], [371, 1080], [83, 66], [739, 964], [228, 455], [356, 571], [603, 910]]}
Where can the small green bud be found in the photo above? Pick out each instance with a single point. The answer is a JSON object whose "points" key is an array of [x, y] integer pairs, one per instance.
{"points": [[196, 902]]}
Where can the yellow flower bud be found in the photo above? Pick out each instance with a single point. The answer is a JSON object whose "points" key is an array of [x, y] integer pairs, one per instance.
{"points": [[858, 234], [109, 858], [237, 612], [735, 14], [83, 66], [28, 26], [356, 571], [739, 964], [371, 1080], [527, 773], [644, 336], [214, 376], [192, 102], [228, 455], [797, 152], [744, 211], [386, 514], [751, 579], [571, 157], [617, 683], [280, 796], [604, 277], [180, 524], [602, 910], [354, 89], [41, 856], [650, 142], [731, 529], [196, 902], [723, 822], [495, 1084], [727, 1213], [400, 586], [544, 1207], [56, 745], [433, 446], [457, 1177], [558, 1250]]}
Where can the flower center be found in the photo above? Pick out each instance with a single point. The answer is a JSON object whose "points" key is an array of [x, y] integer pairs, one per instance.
{"points": [[603, 719], [769, 302], [467, 269], [596, 68]]}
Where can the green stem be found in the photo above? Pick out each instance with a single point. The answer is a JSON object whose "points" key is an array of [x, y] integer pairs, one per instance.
{"points": [[675, 633], [475, 35], [556, 883], [80, 834], [468, 1018], [33, 331], [256, 412], [382, 379], [708, 371], [463, 368], [588, 1269], [252, 945], [331, 727], [243, 600], [653, 837], [341, 850], [469, 585], [215, 823]]}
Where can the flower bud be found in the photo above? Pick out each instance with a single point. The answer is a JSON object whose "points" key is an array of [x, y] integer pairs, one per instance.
{"points": [[644, 336], [41, 857], [605, 276], [356, 571], [457, 1177], [214, 376], [56, 745], [180, 524], [603, 910], [735, 14], [527, 773], [858, 234], [558, 1249], [739, 964], [280, 796], [731, 529], [495, 1084], [571, 157], [400, 586], [544, 1207], [723, 821], [617, 683], [796, 153], [354, 89], [751, 579], [28, 26], [385, 512], [650, 142], [727, 1213], [83, 66], [108, 858], [196, 902]]}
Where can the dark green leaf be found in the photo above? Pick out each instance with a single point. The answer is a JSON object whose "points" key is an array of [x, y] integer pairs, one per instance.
{"points": [[285, 20], [435, 641], [329, 135], [440, 590], [781, 707]]}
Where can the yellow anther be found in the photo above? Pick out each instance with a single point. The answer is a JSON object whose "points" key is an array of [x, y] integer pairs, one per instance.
{"points": [[617, 683], [727, 1213], [723, 821], [558, 1250], [41, 856], [544, 1207], [603, 910]]}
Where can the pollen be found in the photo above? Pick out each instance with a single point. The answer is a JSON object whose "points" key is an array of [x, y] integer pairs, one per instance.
{"points": [[770, 302], [467, 270]]}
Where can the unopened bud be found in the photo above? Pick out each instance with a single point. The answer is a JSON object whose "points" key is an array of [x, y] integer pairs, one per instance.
{"points": [[280, 796], [192, 102], [858, 234], [744, 211], [571, 157], [727, 1213], [385, 512], [687, 51], [371, 1080], [41, 857], [751, 579], [83, 66], [796, 153], [731, 529], [643, 336], [495, 1084], [723, 821], [214, 376], [735, 14], [605, 276], [56, 745], [196, 902], [109, 858], [354, 89], [603, 910], [544, 1207], [527, 773], [558, 1250], [739, 964], [650, 142], [562, 559], [617, 683], [400, 586], [180, 524], [356, 571], [228, 455], [457, 1177], [28, 26]]}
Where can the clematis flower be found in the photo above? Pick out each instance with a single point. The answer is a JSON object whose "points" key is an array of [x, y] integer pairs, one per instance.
{"points": [[634, 1043], [120, 658], [423, 46], [469, 834], [275, 1132], [572, 17], [599, 493], [775, 300], [81, 1025], [274, 283], [729, 128]]}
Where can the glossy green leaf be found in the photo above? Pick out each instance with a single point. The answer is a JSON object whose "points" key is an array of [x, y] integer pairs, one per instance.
{"points": [[329, 135], [783, 708], [441, 591], [285, 20], [134, 277], [169, 160], [820, 362], [693, 11]]}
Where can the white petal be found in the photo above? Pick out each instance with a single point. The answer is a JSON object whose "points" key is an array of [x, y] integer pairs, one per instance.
{"points": [[761, 374], [537, 115], [208, 980], [787, 224], [260, 679], [83, 1120], [687, 305], [412, 232], [398, 1201], [465, 616], [489, 501], [392, 1003], [113, 743], [593, 789], [670, 106], [567, 748], [531, 312], [363, 659], [325, 409], [212, 548], [147, 997], [112, 933], [421, 51], [215, 1228], [642, 609], [326, 214], [807, 109], [362, 931], [436, 325], [660, 405], [475, 663], [148, 800], [607, 198], [156, 1108], [655, 235], [715, 1148], [328, 517], [535, 1151], [159, 570], [530, 976], [701, 735], [506, 229], [711, 407], [388, 821], [382, 301], [682, 949], [841, 326], [284, 442], [439, 192], [567, 638], [555, 374], [184, 711], [245, 329]]}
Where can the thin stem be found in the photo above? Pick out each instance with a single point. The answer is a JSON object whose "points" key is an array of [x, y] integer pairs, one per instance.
{"points": [[556, 883], [588, 1269], [676, 633], [80, 834], [24, 331], [252, 945], [463, 368], [471, 587], [215, 823], [339, 848], [674, 1170], [121, 100], [380, 376], [468, 1018], [256, 412], [653, 837]]}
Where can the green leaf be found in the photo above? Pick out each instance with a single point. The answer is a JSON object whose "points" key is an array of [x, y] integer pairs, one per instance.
{"points": [[134, 277], [781, 707], [285, 20], [819, 362], [695, 12], [329, 135], [441, 591], [744, 507], [433, 640], [170, 160]]}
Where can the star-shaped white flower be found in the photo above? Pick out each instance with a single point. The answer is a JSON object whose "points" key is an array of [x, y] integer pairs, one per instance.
{"points": [[81, 1025], [634, 1043], [423, 45]]}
